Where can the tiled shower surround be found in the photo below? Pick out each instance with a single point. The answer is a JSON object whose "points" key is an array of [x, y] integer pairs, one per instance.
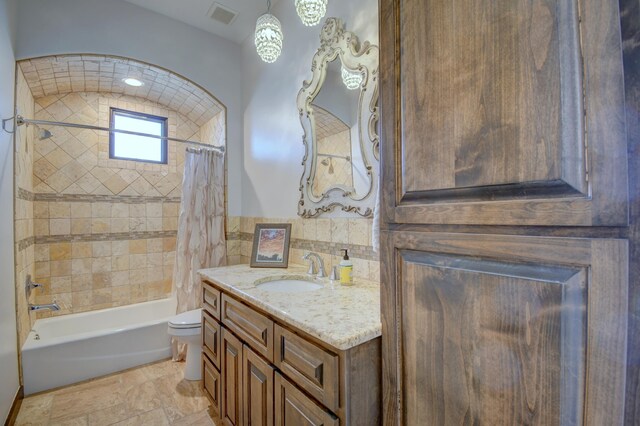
{"points": [[96, 232]]}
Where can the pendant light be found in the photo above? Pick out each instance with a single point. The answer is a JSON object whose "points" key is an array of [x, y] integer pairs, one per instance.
{"points": [[351, 79], [268, 37], [311, 11]]}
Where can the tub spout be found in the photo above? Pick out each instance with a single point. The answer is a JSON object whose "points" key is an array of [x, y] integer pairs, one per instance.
{"points": [[50, 307]]}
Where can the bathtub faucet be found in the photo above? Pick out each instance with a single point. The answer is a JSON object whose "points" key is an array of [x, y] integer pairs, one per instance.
{"points": [[50, 307]]}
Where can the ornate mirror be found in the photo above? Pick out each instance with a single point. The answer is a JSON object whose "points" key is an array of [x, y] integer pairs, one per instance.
{"points": [[339, 115]]}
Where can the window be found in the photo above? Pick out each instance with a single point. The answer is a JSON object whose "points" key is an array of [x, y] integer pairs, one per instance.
{"points": [[123, 146]]}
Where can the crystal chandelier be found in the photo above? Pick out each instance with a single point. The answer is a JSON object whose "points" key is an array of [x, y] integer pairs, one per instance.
{"points": [[311, 11], [268, 37], [351, 79]]}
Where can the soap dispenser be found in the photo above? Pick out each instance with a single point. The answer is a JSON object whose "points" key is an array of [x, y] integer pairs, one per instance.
{"points": [[346, 269]]}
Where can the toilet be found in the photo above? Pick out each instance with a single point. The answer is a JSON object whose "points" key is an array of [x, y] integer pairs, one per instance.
{"points": [[187, 328]]}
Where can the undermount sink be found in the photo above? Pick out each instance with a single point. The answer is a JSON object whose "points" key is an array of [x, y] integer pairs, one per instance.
{"points": [[289, 286]]}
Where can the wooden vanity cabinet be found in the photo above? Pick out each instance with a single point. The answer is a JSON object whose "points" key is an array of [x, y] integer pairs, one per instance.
{"points": [[270, 373]]}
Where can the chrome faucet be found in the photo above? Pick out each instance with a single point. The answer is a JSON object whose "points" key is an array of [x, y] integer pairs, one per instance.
{"points": [[50, 307], [312, 270]]}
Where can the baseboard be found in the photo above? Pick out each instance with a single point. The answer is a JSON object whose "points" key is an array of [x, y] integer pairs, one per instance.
{"points": [[15, 407]]}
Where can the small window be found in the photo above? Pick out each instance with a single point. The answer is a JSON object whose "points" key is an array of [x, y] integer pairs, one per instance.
{"points": [[123, 146]]}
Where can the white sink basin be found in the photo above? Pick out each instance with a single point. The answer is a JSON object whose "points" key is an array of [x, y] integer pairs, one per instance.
{"points": [[289, 286]]}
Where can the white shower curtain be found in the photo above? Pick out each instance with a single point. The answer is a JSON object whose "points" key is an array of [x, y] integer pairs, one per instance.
{"points": [[200, 241]]}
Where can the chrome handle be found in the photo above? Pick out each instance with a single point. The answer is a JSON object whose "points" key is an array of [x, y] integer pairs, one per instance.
{"points": [[30, 285]]}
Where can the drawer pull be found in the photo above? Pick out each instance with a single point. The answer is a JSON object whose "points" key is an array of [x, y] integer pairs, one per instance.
{"points": [[318, 374]]}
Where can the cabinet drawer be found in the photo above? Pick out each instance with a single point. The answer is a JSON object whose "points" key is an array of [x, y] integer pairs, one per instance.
{"points": [[211, 338], [211, 300], [294, 408], [311, 367], [249, 325], [211, 383]]}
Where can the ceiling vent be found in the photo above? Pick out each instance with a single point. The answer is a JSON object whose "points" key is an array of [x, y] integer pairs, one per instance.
{"points": [[222, 14]]}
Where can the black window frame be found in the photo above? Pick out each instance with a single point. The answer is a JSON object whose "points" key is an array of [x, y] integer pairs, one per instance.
{"points": [[140, 116]]}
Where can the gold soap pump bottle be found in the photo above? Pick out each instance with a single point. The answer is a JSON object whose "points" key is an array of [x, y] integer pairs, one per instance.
{"points": [[346, 269]]}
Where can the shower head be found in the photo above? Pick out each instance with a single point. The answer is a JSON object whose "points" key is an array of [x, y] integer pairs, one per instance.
{"points": [[44, 134]]}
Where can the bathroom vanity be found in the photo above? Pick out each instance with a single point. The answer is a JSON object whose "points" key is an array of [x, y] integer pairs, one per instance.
{"points": [[288, 355]]}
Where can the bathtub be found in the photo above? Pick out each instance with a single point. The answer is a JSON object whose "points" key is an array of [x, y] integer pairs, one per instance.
{"points": [[71, 348]]}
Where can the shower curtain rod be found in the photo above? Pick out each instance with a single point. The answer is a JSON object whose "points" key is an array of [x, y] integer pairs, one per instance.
{"points": [[20, 120]]}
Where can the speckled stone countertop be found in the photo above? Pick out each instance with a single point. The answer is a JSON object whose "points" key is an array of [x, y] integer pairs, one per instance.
{"points": [[341, 316]]}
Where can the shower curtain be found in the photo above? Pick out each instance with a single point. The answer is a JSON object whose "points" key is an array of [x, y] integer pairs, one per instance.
{"points": [[200, 241]]}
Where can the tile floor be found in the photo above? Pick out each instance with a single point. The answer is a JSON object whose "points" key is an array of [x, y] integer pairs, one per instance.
{"points": [[154, 394]]}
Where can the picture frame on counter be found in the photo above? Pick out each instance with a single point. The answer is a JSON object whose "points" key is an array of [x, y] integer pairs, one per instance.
{"points": [[271, 243]]}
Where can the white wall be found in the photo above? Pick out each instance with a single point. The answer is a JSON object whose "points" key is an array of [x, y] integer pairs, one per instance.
{"points": [[9, 381], [273, 146], [116, 27]]}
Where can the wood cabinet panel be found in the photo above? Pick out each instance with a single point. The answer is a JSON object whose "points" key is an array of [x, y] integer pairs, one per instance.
{"points": [[211, 300], [294, 408], [212, 384], [502, 113], [478, 333], [251, 326], [231, 372], [311, 367], [211, 336], [257, 389]]}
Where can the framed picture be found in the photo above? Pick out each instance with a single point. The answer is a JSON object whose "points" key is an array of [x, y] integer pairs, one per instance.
{"points": [[271, 245]]}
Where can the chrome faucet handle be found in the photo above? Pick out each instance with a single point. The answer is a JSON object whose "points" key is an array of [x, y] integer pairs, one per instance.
{"points": [[334, 273], [312, 271], [312, 267], [29, 285]]}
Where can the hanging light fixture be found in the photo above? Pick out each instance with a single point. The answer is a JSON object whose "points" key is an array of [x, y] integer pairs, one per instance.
{"points": [[268, 37], [351, 79], [311, 11]]}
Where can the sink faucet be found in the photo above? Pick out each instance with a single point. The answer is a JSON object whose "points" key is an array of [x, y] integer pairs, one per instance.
{"points": [[50, 307], [312, 270]]}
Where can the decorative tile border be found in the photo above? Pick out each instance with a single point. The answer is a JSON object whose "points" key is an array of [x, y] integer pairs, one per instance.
{"points": [[355, 250], [120, 236], [23, 194], [83, 198], [26, 243]]}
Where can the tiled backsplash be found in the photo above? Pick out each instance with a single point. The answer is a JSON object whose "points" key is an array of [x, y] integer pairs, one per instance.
{"points": [[323, 236]]}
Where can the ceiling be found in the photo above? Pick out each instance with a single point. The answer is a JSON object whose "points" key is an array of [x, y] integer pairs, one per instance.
{"points": [[53, 75], [196, 13]]}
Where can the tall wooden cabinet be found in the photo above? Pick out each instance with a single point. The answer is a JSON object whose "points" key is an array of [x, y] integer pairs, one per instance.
{"points": [[505, 200]]}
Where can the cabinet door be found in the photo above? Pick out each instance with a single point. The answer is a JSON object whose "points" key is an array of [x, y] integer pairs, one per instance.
{"points": [[211, 338], [294, 408], [211, 384], [257, 389], [505, 112], [231, 372], [503, 330]]}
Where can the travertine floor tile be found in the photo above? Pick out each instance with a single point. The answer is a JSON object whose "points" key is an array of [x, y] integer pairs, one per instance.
{"points": [[154, 394]]}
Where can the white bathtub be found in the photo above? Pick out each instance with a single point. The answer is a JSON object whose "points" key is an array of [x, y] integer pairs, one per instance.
{"points": [[71, 348]]}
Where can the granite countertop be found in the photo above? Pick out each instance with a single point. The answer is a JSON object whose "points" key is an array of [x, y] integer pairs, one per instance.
{"points": [[341, 316]]}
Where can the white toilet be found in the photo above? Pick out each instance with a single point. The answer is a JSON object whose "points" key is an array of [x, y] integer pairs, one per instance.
{"points": [[187, 328]]}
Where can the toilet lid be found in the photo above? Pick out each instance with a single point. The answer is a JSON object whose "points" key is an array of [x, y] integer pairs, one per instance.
{"points": [[187, 319]]}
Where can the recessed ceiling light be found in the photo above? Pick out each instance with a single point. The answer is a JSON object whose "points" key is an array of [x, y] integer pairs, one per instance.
{"points": [[132, 82]]}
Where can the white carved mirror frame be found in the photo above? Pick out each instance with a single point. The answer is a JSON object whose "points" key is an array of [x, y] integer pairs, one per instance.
{"points": [[335, 42]]}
